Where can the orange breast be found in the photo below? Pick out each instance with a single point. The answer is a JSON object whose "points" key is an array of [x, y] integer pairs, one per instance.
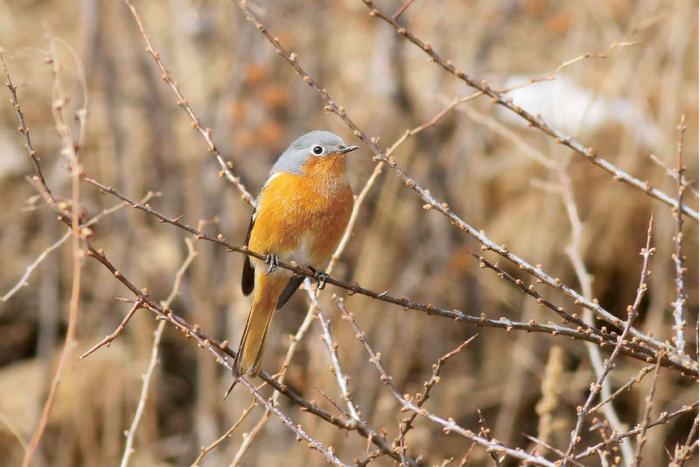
{"points": [[302, 217]]}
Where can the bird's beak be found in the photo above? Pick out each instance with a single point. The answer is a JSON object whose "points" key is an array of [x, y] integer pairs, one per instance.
{"points": [[346, 149]]}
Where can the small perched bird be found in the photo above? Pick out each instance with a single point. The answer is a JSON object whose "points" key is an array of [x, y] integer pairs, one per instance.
{"points": [[301, 214]]}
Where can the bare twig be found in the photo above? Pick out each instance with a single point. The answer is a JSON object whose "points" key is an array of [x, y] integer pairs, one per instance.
{"points": [[683, 452], [632, 312], [147, 378], [114, 334], [664, 418], [407, 423], [549, 446], [532, 120], [157, 335], [24, 280], [70, 149], [681, 295], [182, 102], [443, 208], [642, 437], [632, 381], [332, 347], [402, 9], [584, 56], [674, 175], [575, 253], [38, 178], [448, 425], [203, 451]]}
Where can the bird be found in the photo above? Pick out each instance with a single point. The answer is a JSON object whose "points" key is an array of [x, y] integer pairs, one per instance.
{"points": [[301, 213]]}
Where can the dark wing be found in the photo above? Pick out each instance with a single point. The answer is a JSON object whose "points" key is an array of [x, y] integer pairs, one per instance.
{"points": [[248, 276], [289, 290]]}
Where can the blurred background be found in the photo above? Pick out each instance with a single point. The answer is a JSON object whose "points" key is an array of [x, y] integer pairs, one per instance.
{"points": [[493, 171]]}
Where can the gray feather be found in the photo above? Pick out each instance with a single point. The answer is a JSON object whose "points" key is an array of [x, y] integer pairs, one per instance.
{"points": [[294, 157]]}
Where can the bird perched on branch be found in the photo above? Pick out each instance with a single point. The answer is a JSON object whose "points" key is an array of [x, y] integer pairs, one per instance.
{"points": [[301, 214]]}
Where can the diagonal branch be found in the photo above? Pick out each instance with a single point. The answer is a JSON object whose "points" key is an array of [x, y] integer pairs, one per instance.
{"points": [[448, 425], [532, 120], [632, 312], [444, 209], [634, 349], [206, 133]]}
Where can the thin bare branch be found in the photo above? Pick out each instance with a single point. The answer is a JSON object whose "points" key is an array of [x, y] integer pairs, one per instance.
{"points": [[532, 120], [203, 451], [70, 149], [443, 208], [407, 423], [678, 259], [206, 133], [664, 418], [448, 425], [632, 312], [642, 437], [114, 334], [157, 335]]}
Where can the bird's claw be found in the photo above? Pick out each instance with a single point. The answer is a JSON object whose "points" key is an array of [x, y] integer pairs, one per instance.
{"points": [[321, 279], [272, 262]]}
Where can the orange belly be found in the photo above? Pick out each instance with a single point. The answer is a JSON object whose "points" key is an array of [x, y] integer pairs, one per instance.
{"points": [[302, 217]]}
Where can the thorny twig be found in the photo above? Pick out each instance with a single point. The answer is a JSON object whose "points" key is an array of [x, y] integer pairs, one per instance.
{"points": [[182, 102], [443, 208], [70, 149], [683, 452], [634, 349], [642, 437], [664, 418], [448, 425], [220, 350], [632, 312], [532, 120], [407, 423], [114, 334], [157, 335], [203, 451]]}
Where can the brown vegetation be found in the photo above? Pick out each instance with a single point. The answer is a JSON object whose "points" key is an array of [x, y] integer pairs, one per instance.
{"points": [[488, 304]]}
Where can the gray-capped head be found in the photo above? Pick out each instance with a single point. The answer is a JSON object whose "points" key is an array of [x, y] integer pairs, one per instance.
{"points": [[317, 143]]}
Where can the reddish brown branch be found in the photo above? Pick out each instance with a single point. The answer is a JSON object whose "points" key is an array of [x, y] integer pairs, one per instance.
{"points": [[633, 349], [532, 120], [444, 209], [114, 334]]}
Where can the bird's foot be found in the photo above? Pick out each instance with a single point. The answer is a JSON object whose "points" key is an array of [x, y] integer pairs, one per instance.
{"points": [[321, 278], [272, 262]]}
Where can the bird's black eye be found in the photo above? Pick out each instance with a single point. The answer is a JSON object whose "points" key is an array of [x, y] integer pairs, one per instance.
{"points": [[318, 150]]}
